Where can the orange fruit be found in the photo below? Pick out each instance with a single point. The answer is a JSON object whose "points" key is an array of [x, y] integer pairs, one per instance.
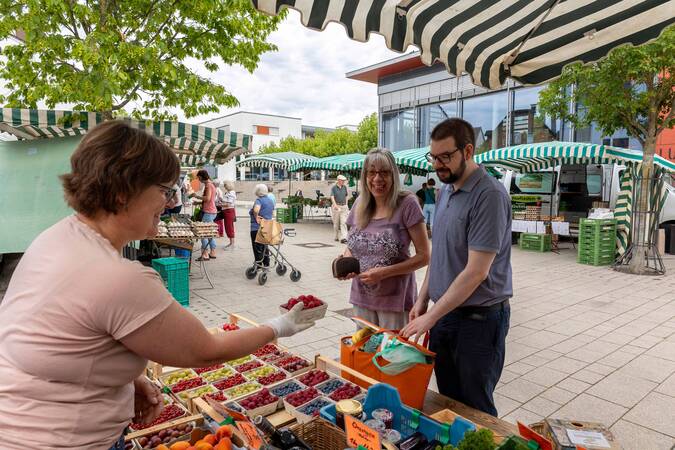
{"points": [[224, 431], [161, 447], [182, 445], [201, 445], [224, 444], [210, 438]]}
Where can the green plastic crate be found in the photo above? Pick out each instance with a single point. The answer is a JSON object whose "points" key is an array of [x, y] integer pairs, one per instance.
{"points": [[535, 242], [175, 273]]}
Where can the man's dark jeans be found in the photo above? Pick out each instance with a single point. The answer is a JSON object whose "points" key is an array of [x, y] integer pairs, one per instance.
{"points": [[469, 351]]}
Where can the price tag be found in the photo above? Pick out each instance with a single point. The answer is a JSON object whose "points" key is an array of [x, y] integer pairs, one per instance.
{"points": [[361, 435], [251, 434]]}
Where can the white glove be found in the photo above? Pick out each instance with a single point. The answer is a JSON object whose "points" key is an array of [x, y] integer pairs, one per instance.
{"points": [[290, 323]]}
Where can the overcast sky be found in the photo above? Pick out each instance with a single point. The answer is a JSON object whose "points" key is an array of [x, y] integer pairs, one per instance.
{"points": [[305, 78]]}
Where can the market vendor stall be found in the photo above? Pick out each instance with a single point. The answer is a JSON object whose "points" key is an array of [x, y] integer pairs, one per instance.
{"points": [[293, 392]]}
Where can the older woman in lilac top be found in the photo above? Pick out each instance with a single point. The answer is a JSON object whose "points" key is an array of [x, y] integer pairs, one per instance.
{"points": [[383, 223]]}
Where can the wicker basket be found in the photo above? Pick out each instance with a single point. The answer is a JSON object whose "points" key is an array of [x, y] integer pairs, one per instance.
{"points": [[321, 435]]}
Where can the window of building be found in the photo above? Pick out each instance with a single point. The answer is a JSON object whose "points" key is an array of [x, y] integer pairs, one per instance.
{"points": [[527, 123], [487, 114], [431, 115], [265, 130], [399, 130]]}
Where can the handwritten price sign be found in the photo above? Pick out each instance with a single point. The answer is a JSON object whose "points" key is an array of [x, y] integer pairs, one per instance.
{"points": [[360, 435]]}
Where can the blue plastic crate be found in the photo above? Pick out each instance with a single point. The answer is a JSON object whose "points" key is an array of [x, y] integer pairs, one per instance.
{"points": [[407, 420], [175, 273]]}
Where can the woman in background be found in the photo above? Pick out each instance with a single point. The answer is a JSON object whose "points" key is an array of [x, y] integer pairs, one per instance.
{"points": [[229, 211], [209, 212], [383, 222], [263, 208]]}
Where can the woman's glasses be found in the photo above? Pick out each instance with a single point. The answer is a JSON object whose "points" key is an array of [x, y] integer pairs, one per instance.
{"points": [[168, 192], [382, 173]]}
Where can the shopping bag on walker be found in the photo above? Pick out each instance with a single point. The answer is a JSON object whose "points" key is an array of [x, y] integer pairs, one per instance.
{"points": [[401, 363], [270, 232]]}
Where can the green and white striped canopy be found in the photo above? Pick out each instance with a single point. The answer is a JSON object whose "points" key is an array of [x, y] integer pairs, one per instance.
{"points": [[281, 160], [336, 163], [194, 143], [528, 40], [412, 161], [543, 155]]}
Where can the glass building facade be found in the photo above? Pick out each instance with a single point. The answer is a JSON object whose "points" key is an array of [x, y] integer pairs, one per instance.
{"points": [[413, 103]]}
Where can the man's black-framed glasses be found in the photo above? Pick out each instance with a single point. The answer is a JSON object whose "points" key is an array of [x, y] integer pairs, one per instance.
{"points": [[443, 158], [168, 191]]}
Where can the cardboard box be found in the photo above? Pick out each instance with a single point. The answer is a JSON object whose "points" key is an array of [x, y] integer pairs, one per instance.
{"points": [[568, 434]]}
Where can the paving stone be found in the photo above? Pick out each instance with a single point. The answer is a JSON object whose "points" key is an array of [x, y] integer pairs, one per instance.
{"points": [[635, 437], [558, 395], [663, 350], [520, 368], [572, 385], [656, 412], [524, 416], [667, 387], [504, 404], [622, 389], [617, 359], [521, 390], [649, 368], [566, 365], [591, 409], [602, 369], [541, 405], [544, 376], [587, 376], [646, 341]]}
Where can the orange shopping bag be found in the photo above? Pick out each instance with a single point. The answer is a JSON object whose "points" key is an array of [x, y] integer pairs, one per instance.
{"points": [[411, 383]]}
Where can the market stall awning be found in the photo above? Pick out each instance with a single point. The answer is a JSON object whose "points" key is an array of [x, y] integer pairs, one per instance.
{"points": [[336, 163], [543, 155], [281, 160], [527, 40], [194, 143]]}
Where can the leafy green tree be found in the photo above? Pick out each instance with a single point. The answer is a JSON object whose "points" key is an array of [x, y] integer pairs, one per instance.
{"points": [[632, 89], [336, 142], [100, 55]]}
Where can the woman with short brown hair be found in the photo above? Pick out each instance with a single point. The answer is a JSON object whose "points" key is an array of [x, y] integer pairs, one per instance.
{"points": [[79, 323]]}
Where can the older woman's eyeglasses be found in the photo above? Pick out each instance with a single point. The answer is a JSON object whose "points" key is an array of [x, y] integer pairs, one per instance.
{"points": [[382, 173], [168, 191], [443, 158]]}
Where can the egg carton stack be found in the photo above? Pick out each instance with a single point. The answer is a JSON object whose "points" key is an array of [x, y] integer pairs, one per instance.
{"points": [[162, 231], [205, 229], [180, 230]]}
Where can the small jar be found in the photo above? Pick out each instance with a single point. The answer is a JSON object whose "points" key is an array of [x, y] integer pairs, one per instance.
{"points": [[391, 436], [349, 408], [385, 416], [376, 425]]}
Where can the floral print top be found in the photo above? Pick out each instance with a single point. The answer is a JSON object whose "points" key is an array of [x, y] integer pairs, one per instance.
{"points": [[385, 242]]}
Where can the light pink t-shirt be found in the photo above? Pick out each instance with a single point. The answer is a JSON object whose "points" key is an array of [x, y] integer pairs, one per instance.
{"points": [[65, 379]]}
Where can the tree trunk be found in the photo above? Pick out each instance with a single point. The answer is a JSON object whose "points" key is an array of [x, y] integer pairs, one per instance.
{"points": [[641, 228]]}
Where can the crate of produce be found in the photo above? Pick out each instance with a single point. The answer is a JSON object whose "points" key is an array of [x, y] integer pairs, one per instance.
{"points": [[285, 215], [175, 273], [313, 308], [295, 365], [297, 399], [406, 420], [175, 376], [312, 409], [535, 242], [281, 390], [242, 390], [262, 403]]}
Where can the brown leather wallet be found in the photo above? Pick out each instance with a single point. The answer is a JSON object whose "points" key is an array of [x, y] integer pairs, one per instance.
{"points": [[345, 265]]}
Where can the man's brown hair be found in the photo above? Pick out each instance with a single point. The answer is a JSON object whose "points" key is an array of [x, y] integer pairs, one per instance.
{"points": [[114, 163], [457, 128]]}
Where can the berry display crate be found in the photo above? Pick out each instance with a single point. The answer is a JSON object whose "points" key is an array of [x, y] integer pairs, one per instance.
{"points": [[175, 273], [597, 241], [535, 242]]}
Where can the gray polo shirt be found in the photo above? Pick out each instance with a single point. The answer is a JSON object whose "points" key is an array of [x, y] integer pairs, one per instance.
{"points": [[340, 194], [476, 217]]}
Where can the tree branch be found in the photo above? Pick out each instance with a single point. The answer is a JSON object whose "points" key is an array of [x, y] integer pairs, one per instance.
{"points": [[128, 98], [72, 19]]}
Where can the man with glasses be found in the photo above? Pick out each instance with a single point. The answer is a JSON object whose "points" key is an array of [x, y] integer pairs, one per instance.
{"points": [[469, 277]]}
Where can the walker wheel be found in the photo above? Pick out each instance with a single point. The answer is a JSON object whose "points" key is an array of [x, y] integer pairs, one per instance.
{"points": [[281, 269], [251, 272], [262, 278], [295, 275]]}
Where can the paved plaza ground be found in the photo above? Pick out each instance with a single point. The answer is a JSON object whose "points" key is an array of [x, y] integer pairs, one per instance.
{"points": [[585, 342]]}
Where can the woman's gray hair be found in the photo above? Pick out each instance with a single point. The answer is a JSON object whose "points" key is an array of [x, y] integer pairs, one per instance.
{"points": [[365, 207], [216, 182], [260, 190], [228, 185]]}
